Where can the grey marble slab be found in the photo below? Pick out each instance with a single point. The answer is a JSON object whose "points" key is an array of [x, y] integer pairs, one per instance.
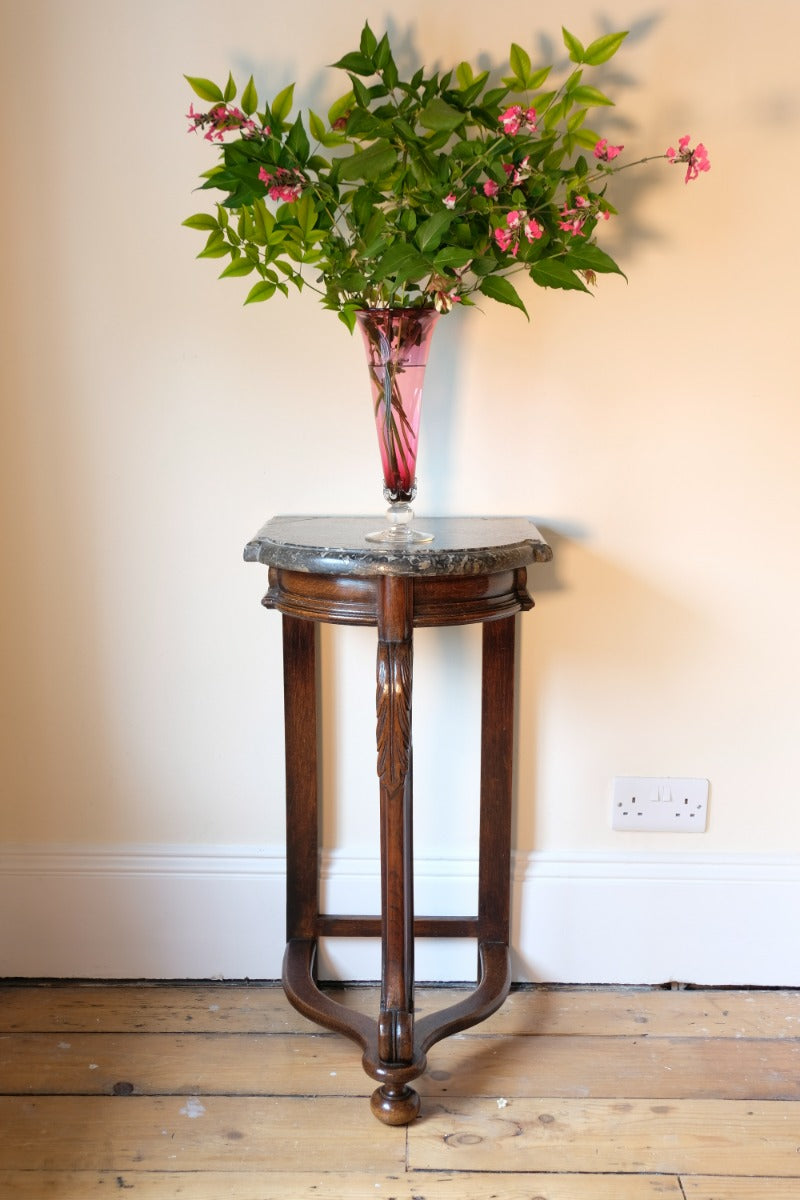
{"points": [[460, 546]]}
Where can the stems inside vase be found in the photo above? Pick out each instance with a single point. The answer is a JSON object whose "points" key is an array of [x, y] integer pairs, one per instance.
{"points": [[397, 342]]}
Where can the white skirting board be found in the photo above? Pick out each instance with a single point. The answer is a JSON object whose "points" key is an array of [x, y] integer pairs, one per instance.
{"points": [[205, 912]]}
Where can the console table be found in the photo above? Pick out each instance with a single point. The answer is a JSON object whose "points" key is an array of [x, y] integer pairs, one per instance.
{"points": [[321, 569]]}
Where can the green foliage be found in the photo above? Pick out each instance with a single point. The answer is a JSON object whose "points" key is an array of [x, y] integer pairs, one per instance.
{"points": [[428, 190]]}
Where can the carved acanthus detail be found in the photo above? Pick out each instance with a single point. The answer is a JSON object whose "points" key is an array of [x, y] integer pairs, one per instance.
{"points": [[393, 703]]}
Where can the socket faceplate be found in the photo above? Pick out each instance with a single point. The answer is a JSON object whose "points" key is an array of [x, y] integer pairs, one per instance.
{"points": [[659, 804]]}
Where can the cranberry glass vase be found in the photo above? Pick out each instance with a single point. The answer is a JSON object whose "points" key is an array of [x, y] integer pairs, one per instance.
{"points": [[397, 341]]}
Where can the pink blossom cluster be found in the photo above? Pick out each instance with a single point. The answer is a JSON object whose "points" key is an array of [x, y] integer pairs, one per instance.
{"points": [[222, 119], [284, 184], [605, 152], [696, 160], [515, 173], [573, 219], [517, 223], [517, 119]]}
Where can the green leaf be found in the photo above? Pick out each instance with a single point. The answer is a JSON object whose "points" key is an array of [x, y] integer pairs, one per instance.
{"points": [[215, 250], [262, 290], [402, 262], [204, 88], [452, 256], [590, 96], [361, 92], [239, 266], [340, 108], [305, 214], [263, 221], [538, 77], [369, 43], [201, 221], [356, 62], [430, 232], [441, 116], [371, 163], [297, 141], [464, 75], [589, 257], [316, 126], [282, 104], [588, 138], [575, 47], [497, 287], [520, 63], [553, 273], [603, 48], [249, 98], [361, 124], [382, 55], [230, 89]]}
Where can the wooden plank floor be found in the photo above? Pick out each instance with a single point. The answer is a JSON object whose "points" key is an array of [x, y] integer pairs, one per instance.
{"points": [[209, 1092]]}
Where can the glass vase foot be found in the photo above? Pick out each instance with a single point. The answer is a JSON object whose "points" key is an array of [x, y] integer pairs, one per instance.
{"points": [[397, 530]]}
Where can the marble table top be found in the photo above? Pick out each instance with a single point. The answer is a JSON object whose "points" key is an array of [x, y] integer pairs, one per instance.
{"points": [[460, 546]]}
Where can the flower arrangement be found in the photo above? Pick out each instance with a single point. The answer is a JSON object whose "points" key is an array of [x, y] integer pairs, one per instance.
{"points": [[420, 192]]}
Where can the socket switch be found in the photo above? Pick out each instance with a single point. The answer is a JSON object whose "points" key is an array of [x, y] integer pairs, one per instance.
{"points": [[659, 804]]}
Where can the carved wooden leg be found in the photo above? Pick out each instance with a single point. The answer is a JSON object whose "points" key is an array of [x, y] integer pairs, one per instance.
{"points": [[497, 747], [302, 823], [396, 1104]]}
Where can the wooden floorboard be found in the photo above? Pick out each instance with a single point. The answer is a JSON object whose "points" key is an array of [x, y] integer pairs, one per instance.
{"points": [[716, 1137], [215, 1008], [201, 1091], [170, 1064], [321, 1185]]}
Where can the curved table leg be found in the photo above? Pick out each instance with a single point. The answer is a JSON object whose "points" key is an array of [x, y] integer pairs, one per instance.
{"points": [[395, 1103]]}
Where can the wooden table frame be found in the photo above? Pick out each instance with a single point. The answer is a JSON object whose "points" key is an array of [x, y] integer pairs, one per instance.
{"points": [[395, 1046]]}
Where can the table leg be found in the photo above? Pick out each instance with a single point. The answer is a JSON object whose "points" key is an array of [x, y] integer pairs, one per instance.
{"points": [[396, 1104], [497, 749], [302, 819]]}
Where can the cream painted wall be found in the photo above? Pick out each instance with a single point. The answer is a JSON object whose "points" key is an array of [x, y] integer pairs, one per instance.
{"points": [[150, 424]]}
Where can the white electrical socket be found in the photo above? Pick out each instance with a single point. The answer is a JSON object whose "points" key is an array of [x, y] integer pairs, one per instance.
{"points": [[659, 805]]}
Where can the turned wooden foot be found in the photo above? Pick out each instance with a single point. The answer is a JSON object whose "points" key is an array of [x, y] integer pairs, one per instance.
{"points": [[394, 1105]]}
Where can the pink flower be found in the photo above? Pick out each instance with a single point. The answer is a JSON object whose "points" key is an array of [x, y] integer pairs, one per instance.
{"points": [[515, 119], [533, 230], [513, 219], [222, 119], [283, 185], [572, 221], [605, 152], [696, 160], [490, 189], [503, 238], [516, 174], [450, 200], [511, 119]]}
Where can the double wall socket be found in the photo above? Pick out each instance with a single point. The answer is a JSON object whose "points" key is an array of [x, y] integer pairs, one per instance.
{"points": [[659, 804]]}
